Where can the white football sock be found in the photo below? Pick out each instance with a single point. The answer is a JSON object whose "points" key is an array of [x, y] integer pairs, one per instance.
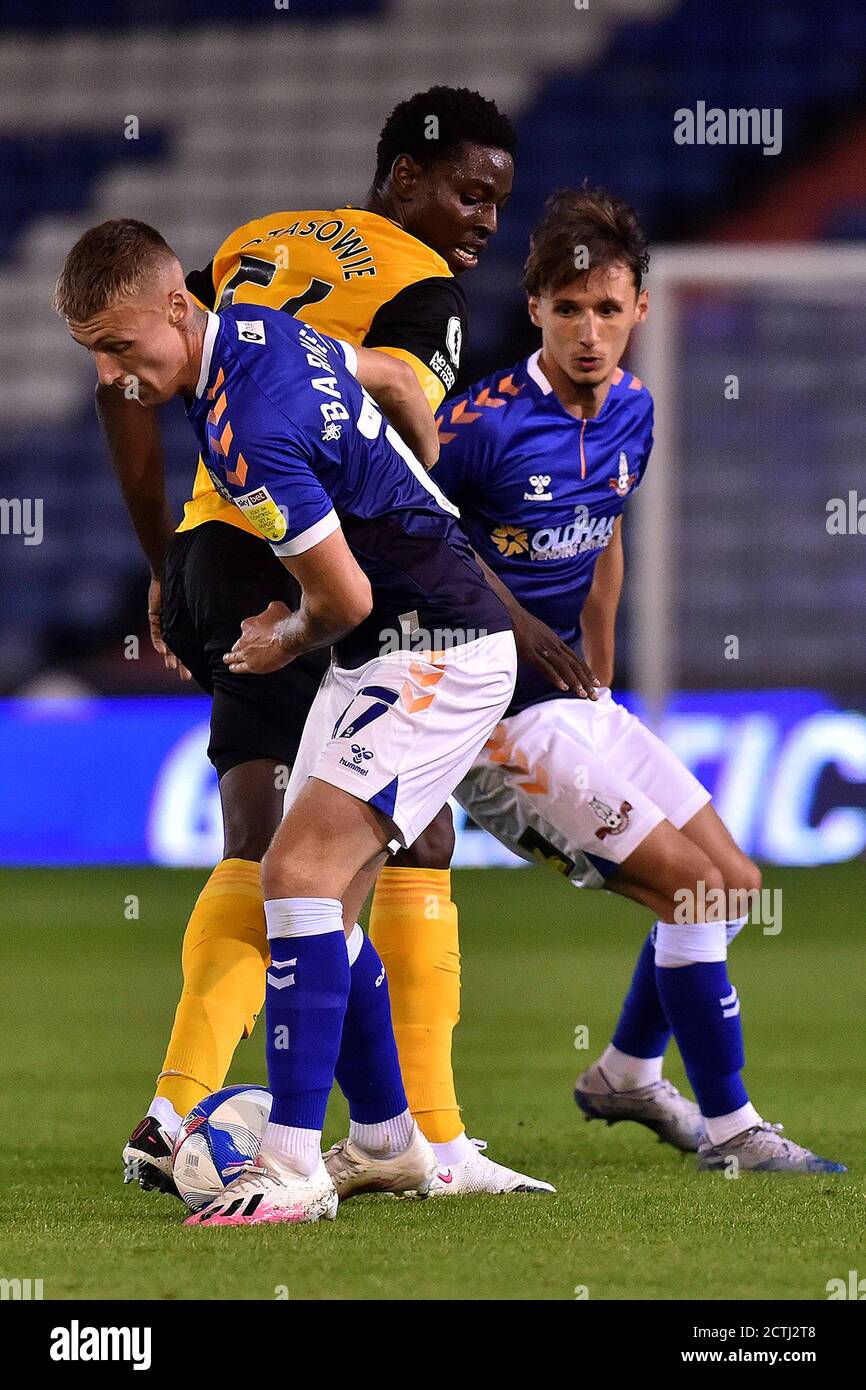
{"points": [[163, 1111], [723, 1127], [287, 1146], [626, 1073], [455, 1151], [391, 1136]]}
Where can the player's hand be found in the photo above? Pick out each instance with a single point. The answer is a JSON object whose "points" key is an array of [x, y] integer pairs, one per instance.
{"points": [[258, 651], [540, 647], [154, 607]]}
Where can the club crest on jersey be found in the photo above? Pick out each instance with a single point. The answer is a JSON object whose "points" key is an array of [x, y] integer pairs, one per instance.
{"points": [[511, 540], [454, 339], [615, 822], [539, 482], [251, 330], [624, 481]]}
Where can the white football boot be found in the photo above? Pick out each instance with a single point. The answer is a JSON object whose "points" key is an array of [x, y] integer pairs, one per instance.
{"points": [[478, 1174], [660, 1106], [355, 1170], [271, 1195], [762, 1149]]}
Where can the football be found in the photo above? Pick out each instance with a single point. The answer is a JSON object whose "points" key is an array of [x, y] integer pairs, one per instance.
{"points": [[218, 1136]]}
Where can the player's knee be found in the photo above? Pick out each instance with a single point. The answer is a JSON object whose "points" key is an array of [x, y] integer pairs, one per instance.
{"points": [[433, 849], [286, 875], [744, 877], [695, 890]]}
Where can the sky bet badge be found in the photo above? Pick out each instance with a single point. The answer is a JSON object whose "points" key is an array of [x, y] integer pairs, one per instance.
{"points": [[262, 512], [624, 481]]}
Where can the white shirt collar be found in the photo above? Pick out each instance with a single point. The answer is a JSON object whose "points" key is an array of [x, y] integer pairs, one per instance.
{"points": [[210, 332], [537, 374]]}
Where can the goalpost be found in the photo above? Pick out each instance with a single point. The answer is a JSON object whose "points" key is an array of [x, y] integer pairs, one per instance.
{"points": [[756, 358]]}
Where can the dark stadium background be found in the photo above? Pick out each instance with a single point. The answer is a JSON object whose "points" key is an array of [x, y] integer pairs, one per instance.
{"points": [[243, 107], [109, 814]]}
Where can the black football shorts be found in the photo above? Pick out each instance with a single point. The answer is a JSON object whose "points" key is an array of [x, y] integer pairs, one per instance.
{"points": [[215, 576]]}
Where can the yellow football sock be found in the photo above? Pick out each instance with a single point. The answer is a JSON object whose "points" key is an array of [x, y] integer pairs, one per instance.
{"points": [[413, 925], [225, 955]]}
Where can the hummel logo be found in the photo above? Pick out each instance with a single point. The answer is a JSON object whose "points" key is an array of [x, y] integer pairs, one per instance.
{"points": [[281, 965], [359, 753], [539, 482]]}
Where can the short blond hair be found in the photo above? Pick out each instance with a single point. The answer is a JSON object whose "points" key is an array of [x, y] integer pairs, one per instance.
{"points": [[108, 263]]}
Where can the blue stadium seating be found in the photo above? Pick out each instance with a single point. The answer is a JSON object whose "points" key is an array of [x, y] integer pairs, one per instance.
{"points": [[610, 122], [47, 14], [55, 173]]}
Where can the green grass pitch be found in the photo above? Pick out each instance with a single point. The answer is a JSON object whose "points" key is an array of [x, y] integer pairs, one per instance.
{"points": [[86, 1007]]}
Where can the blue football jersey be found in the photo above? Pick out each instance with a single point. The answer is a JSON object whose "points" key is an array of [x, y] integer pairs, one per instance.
{"points": [[539, 491], [288, 434]]}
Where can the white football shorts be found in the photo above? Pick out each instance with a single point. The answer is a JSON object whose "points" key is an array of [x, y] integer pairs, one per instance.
{"points": [[577, 784], [402, 730]]}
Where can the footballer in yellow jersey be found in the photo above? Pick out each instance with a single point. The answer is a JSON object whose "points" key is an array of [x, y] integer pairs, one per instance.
{"points": [[382, 276], [352, 273]]}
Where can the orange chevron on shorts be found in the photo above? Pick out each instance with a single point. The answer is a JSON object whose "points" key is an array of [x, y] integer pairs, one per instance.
{"points": [[500, 750], [416, 703], [539, 783], [425, 678]]}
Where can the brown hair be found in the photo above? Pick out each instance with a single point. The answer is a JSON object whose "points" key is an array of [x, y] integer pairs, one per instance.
{"points": [[588, 219], [108, 263]]}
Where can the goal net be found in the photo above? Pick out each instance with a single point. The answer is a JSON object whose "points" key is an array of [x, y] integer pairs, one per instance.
{"points": [[745, 567]]}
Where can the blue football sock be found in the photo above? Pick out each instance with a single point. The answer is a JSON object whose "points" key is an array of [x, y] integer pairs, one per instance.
{"points": [[305, 1003], [704, 1013], [368, 1069], [643, 1029]]}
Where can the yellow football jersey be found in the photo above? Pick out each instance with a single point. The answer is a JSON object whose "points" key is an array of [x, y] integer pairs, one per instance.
{"points": [[348, 273]]}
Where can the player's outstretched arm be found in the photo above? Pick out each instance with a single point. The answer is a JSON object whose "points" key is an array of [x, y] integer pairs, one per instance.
{"points": [[542, 648], [598, 617], [396, 390], [132, 434], [335, 597]]}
